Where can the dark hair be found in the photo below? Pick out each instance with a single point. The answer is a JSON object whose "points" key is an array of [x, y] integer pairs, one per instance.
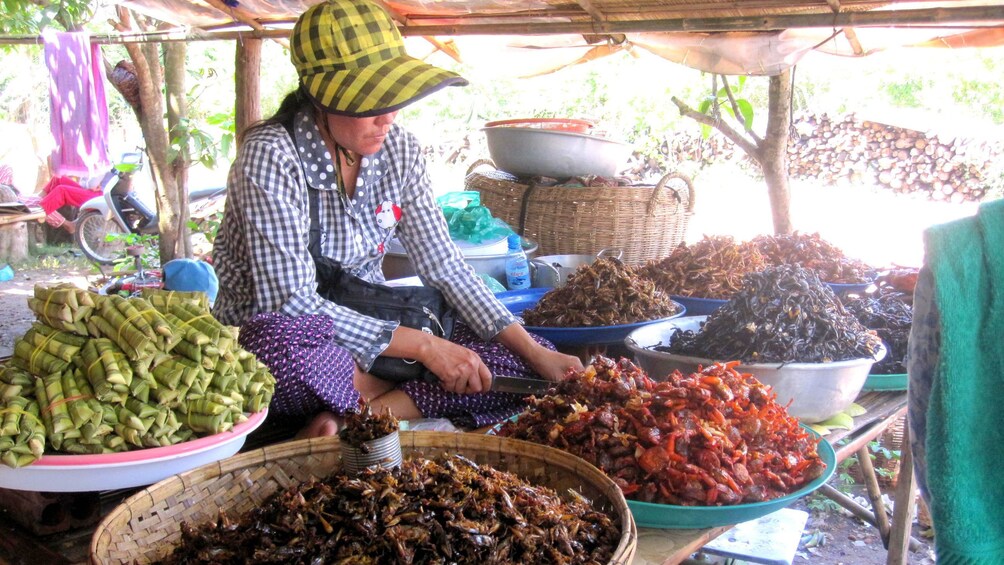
{"points": [[288, 108]]}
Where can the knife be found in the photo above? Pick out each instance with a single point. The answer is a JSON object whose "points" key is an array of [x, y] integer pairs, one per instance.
{"points": [[520, 385]]}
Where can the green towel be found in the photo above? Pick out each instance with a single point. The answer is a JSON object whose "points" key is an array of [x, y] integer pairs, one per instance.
{"points": [[965, 427]]}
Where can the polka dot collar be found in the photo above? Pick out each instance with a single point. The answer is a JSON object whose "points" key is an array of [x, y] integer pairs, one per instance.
{"points": [[318, 166]]}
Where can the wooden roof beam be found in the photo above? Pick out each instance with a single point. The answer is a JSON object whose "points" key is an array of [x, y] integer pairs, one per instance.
{"points": [[592, 10], [244, 17], [446, 47], [967, 17], [878, 18]]}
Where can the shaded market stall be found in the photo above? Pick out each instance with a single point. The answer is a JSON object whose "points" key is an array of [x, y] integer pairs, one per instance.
{"points": [[760, 38]]}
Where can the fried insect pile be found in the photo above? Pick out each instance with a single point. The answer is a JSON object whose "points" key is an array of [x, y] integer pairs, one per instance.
{"points": [[814, 253], [455, 511], [712, 438], [363, 425], [782, 314], [710, 268], [604, 293], [889, 312]]}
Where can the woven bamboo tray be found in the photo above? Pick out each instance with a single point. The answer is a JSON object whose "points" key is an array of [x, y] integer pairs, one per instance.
{"points": [[645, 222], [147, 525]]}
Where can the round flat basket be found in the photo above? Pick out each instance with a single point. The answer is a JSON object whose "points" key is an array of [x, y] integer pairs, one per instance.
{"points": [[146, 527]]}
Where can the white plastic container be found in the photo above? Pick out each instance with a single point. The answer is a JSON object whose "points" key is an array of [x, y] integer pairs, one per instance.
{"points": [[817, 391]]}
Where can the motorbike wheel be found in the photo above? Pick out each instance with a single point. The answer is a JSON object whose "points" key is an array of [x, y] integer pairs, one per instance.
{"points": [[91, 232]]}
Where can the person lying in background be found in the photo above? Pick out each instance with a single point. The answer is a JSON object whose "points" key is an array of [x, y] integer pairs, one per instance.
{"points": [[58, 192], [64, 191]]}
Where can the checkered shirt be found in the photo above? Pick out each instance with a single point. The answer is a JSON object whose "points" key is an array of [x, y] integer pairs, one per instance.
{"points": [[261, 254]]}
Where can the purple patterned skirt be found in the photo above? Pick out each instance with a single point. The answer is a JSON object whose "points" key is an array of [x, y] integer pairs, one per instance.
{"points": [[313, 374]]}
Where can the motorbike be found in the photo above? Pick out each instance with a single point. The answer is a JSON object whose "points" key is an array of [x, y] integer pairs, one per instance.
{"points": [[118, 210]]}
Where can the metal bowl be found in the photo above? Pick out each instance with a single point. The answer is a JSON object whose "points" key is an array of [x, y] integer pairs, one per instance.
{"points": [[552, 153], [397, 265], [817, 391], [699, 306]]}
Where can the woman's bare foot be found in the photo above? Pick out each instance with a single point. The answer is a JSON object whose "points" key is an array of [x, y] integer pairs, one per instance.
{"points": [[324, 424]]}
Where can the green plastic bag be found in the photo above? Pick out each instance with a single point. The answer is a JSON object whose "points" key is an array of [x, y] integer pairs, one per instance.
{"points": [[468, 220]]}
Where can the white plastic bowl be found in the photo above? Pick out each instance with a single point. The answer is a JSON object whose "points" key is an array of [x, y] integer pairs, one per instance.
{"points": [[552, 153], [817, 391], [127, 469]]}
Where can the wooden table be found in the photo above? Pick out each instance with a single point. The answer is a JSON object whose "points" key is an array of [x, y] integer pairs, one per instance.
{"points": [[37, 215], [668, 547], [655, 546]]}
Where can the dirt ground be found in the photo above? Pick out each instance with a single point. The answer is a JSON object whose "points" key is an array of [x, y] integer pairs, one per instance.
{"points": [[831, 537], [15, 317]]}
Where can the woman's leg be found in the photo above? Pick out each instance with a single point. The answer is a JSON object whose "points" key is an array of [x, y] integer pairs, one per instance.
{"points": [[398, 402], [314, 377]]}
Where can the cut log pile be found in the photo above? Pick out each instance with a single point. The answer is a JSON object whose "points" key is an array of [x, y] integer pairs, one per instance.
{"points": [[846, 148], [904, 160]]}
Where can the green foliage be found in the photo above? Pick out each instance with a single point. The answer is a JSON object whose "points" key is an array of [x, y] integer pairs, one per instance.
{"points": [[209, 226], [150, 258], [719, 100], [906, 93], [877, 450], [983, 94], [53, 257], [844, 478], [200, 145], [22, 17], [818, 502]]}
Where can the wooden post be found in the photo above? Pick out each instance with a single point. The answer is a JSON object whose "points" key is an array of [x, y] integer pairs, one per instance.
{"points": [[874, 493], [247, 109], [902, 513]]}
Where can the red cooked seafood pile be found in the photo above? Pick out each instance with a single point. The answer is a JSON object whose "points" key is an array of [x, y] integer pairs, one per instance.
{"points": [[712, 438]]}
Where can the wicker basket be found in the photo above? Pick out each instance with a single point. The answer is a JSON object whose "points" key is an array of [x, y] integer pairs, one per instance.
{"points": [[645, 222], [146, 526]]}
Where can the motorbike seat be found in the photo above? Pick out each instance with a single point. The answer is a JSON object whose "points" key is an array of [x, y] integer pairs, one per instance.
{"points": [[207, 192]]}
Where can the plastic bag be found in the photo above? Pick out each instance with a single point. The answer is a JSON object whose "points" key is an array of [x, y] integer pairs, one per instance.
{"points": [[428, 425], [468, 220]]}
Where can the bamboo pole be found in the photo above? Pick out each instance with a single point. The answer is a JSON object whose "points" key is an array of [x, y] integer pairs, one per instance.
{"points": [[962, 17]]}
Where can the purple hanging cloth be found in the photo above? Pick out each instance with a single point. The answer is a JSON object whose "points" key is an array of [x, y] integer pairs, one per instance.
{"points": [[77, 107]]}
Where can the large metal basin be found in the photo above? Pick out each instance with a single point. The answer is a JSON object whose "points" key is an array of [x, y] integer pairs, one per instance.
{"points": [[397, 265], [817, 391], [551, 153], [552, 271]]}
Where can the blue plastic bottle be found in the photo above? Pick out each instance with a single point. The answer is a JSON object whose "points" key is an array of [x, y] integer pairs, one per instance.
{"points": [[517, 269]]}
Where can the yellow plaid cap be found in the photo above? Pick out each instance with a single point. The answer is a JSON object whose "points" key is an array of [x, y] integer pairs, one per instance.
{"points": [[351, 60]]}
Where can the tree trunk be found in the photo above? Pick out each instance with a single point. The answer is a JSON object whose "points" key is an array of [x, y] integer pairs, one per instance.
{"points": [[167, 184], [174, 240], [774, 151], [247, 108], [13, 242]]}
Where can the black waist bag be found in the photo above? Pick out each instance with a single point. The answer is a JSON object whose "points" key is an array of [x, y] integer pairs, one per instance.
{"points": [[419, 307]]}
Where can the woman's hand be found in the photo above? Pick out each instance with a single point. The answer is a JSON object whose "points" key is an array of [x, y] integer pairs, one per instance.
{"points": [[459, 369]]}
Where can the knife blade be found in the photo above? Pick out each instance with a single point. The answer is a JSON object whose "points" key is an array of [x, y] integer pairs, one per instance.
{"points": [[520, 385]]}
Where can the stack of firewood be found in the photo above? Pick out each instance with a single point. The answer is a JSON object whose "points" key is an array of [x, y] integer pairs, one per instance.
{"points": [[846, 148], [904, 160]]}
